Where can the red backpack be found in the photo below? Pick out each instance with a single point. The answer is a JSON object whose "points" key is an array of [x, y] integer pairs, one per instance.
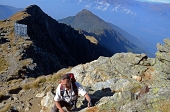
{"points": [[73, 80]]}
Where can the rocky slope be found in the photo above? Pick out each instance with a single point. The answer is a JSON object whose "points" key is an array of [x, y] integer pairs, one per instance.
{"points": [[127, 82], [48, 46], [121, 83]]}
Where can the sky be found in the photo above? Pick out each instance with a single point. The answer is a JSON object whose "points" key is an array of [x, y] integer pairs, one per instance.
{"points": [[53, 7], [164, 1]]}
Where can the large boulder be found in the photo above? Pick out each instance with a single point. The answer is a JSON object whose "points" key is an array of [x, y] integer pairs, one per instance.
{"points": [[47, 102]]}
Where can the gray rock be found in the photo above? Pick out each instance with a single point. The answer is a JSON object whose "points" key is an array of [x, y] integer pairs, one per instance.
{"points": [[163, 48], [47, 102], [117, 74], [27, 108]]}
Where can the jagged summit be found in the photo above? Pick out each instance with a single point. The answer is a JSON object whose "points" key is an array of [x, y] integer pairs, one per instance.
{"points": [[33, 9]]}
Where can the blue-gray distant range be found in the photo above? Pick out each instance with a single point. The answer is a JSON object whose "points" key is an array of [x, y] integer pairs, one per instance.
{"points": [[147, 21], [7, 11], [108, 35]]}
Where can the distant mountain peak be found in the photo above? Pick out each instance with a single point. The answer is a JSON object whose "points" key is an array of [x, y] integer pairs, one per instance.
{"points": [[85, 12], [80, 20], [102, 32]]}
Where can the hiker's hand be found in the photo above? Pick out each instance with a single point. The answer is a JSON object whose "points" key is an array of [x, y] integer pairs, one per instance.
{"points": [[89, 104]]}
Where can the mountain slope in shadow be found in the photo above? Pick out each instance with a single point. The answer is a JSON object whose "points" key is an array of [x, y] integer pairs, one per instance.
{"points": [[102, 31]]}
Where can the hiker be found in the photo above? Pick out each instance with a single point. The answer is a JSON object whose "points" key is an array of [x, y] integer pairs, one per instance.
{"points": [[67, 94]]}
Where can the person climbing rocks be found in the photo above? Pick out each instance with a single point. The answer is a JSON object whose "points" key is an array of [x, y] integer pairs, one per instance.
{"points": [[67, 94]]}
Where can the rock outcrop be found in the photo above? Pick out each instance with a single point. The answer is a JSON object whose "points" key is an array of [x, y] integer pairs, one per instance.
{"points": [[114, 86]]}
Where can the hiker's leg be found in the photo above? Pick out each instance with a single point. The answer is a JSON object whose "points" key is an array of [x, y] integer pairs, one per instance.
{"points": [[65, 104], [54, 109]]}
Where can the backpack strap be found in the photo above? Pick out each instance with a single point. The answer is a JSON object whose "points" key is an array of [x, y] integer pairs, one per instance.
{"points": [[61, 90], [75, 89]]}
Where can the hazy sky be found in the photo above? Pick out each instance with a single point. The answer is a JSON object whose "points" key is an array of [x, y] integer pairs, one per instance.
{"points": [[164, 1], [24, 3], [55, 8]]}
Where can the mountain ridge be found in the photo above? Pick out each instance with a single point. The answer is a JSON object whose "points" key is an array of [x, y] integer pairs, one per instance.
{"points": [[102, 31], [50, 45]]}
